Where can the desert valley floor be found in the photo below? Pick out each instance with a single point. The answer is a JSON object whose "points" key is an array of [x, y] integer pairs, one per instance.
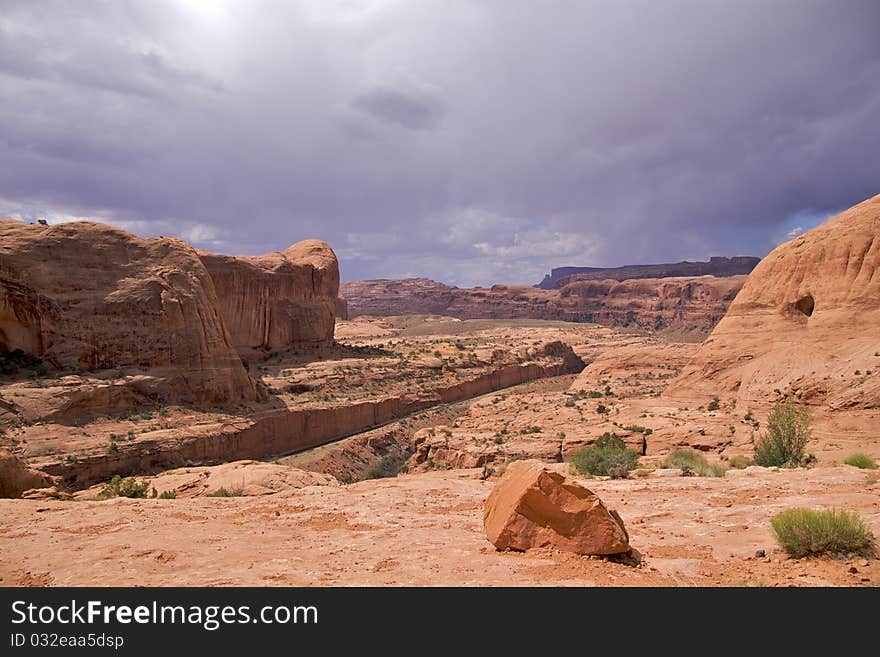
{"points": [[412, 513]]}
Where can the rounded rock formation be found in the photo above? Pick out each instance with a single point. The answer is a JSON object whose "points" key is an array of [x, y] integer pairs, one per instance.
{"points": [[805, 323]]}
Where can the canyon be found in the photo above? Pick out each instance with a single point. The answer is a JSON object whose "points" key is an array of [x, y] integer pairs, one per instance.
{"points": [[684, 304], [367, 452]]}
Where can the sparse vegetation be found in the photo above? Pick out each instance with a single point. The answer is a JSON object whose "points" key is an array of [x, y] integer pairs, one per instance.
{"points": [[128, 487], [387, 466], [860, 460], [227, 492], [714, 405], [608, 456], [804, 532], [13, 361], [739, 462], [788, 430], [692, 461]]}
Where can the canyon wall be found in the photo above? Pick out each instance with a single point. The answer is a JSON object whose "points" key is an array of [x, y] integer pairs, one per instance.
{"points": [[694, 304], [84, 295], [285, 300], [280, 431]]}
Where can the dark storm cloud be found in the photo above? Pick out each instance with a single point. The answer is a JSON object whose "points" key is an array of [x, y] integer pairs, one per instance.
{"points": [[470, 141], [415, 112]]}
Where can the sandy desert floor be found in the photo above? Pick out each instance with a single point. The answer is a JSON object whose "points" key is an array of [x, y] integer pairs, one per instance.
{"points": [[423, 527]]}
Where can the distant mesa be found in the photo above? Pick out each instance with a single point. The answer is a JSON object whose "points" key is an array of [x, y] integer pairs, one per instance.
{"points": [[691, 304], [716, 266], [806, 323]]}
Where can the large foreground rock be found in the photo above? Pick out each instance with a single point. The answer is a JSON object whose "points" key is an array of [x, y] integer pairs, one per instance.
{"points": [[806, 323], [16, 477], [86, 296], [285, 300], [533, 506]]}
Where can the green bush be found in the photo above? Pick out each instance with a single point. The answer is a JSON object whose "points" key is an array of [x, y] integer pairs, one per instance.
{"points": [[860, 460], [612, 461], [788, 430], [609, 441], [167, 495], [739, 462], [692, 461], [128, 487], [804, 532]]}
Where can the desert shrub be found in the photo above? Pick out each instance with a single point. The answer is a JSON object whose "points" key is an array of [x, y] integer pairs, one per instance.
{"points": [[860, 460], [788, 430], [609, 441], [714, 405], [387, 466], [804, 532], [739, 462], [227, 492], [693, 462], [167, 495], [12, 361], [610, 461], [128, 487]]}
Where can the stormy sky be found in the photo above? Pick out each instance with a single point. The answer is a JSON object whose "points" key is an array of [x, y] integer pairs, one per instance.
{"points": [[470, 141]]}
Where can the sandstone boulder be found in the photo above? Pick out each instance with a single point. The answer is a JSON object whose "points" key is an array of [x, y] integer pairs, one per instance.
{"points": [[285, 300], [16, 477], [533, 506], [84, 296], [805, 323]]}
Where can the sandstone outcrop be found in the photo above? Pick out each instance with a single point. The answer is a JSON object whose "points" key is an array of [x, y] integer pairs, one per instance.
{"points": [[285, 300], [804, 324], [533, 507], [693, 304], [85, 296], [16, 477], [717, 266], [237, 479]]}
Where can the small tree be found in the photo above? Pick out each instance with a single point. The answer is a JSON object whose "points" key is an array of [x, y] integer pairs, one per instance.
{"points": [[788, 430]]}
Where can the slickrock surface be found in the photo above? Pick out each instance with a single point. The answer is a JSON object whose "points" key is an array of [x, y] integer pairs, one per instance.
{"points": [[692, 304], [86, 296], [234, 479], [427, 530], [807, 322], [284, 300]]}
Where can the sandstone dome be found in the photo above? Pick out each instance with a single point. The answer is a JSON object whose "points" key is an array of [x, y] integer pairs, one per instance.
{"points": [[806, 322]]}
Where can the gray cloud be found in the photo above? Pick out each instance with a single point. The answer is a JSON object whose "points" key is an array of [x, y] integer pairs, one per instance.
{"points": [[471, 141]]}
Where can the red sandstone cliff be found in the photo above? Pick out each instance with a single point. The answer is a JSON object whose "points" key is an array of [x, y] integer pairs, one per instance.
{"points": [[84, 295], [695, 303], [284, 300]]}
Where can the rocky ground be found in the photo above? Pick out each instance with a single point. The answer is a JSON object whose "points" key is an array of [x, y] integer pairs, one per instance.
{"points": [[418, 520], [426, 530]]}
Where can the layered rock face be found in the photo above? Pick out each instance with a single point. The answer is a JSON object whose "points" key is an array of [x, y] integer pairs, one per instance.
{"points": [[16, 477], [694, 304], [717, 266], [88, 296], [284, 300], [807, 322], [533, 507]]}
